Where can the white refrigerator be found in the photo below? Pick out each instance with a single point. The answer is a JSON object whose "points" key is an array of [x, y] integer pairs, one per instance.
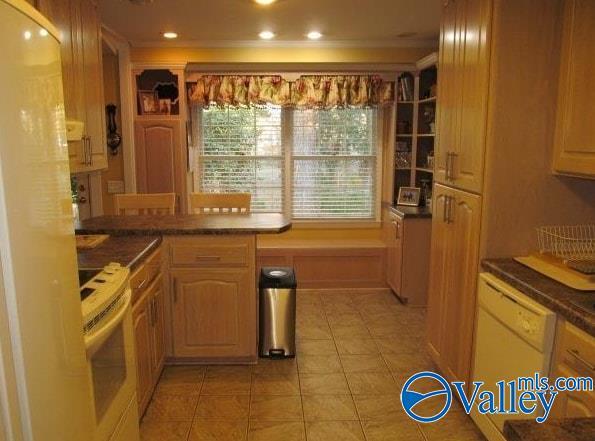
{"points": [[45, 387]]}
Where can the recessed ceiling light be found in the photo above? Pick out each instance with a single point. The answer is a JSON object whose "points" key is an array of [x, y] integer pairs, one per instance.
{"points": [[27, 35], [43, 32], [266, 35], [170, 35], [314, 35], [265, 2]]}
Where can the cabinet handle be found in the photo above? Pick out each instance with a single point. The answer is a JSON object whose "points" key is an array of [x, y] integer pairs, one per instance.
{"points": [[453, 156], [449, 217], [90, 151], [577, 355], [84, 145], [398, 225], [444, 208], [175, 291], [207, 258], [447, 166]]}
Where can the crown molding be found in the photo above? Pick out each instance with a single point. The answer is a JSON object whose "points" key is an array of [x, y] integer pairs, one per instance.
{"points": [[403, 43]]}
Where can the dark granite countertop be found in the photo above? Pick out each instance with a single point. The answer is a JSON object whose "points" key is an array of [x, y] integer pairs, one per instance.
{"points": [[181, 224], [404, 211], [567, 429], [128, 251], [551, 294]]}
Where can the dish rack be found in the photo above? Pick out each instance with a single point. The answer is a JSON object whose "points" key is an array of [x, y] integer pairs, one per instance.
{"points": [[574, 244]]}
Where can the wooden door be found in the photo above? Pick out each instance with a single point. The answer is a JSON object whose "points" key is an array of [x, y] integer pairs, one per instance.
{"points": [[159, 167], [214, 313], [439, 264], [472, 73], [574, 148], [93, 84], [448, 97], [141, 318], [464, 218], [158, 327]]}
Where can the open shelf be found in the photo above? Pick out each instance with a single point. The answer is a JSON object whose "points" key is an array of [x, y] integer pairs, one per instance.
{"points": [[414, 127]]}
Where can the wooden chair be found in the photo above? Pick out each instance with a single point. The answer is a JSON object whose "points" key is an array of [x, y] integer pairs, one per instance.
{"points": [[154, 203], [220, 203]]}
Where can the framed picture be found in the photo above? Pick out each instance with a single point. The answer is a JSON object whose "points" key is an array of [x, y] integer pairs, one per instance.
{"points": [[409, 196], [149, 103]]}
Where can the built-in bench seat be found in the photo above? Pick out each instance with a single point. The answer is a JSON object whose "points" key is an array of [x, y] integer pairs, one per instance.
{"points": [[327, 263]]}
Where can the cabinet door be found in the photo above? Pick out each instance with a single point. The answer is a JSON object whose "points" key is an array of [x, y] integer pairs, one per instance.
{"points": [[574, 151], [95, 126], [439, 260], [214, 313], [472, 73], [158, 327], [141, 318], [63, 14], [395, 254], [158, 157], [448, 97], [464, 218]]}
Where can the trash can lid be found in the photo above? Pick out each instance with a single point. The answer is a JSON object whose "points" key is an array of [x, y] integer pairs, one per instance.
{"points": [[277, 277]]}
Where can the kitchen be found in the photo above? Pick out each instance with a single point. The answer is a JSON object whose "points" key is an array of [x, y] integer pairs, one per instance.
{"points": [[422, 171]]}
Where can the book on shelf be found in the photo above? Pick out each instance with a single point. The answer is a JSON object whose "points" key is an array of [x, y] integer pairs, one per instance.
{"points": [[405, 86]]}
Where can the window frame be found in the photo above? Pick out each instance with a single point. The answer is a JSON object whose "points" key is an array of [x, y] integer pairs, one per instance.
{"points": [[286, 142]]}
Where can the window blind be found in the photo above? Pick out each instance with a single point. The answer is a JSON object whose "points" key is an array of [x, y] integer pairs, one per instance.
{"points": [[334, 163], [241, 150]]}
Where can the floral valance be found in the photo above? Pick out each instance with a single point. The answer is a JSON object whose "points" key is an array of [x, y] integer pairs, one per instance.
{"points": [[312, 91]]}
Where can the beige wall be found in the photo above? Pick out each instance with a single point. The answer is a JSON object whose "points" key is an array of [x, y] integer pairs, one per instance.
{"points": [[111, 90], [277, 55]]}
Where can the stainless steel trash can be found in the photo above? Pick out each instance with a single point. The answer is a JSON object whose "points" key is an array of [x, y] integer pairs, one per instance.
{"points": [[277, 291]]}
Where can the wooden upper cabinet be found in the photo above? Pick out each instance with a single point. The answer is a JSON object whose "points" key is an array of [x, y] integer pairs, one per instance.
{"points": [[453, 274], [95, 125], [463, 90], [449, 103], [473, 72], [80, 33], [574, 148], [159, 157]]}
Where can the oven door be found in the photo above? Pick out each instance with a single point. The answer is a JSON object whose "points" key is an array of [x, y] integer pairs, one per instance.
{"points": [[110, 354]]}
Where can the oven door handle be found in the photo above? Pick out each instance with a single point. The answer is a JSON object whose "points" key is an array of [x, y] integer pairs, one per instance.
{"points": [[95, 339]]}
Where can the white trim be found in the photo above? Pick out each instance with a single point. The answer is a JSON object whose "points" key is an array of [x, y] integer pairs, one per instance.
{"points": [[127, 103], [429, 43]]}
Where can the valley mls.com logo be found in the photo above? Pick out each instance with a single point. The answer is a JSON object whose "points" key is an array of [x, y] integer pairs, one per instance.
{"points": [[533, 395]]}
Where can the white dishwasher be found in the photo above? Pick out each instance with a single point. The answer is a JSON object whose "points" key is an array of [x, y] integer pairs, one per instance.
{"points": [[514, 338]]}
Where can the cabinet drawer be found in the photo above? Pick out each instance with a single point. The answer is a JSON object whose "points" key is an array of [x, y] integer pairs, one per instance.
{"points": [[578, 350], [153, 265], [209, 255], [145, 274]]}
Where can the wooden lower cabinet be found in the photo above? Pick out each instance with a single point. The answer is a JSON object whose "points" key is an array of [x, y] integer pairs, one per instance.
{"points": [[214, 313], [407, 257], [453, 280], [148, 317], [575, 357]]}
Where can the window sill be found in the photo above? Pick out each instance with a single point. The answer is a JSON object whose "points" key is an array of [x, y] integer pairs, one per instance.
{"points": [[302, 224]]}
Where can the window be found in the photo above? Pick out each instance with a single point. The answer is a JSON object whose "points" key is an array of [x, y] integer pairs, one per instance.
{"points": [[241, 151], [332, 159], [334, 163]]}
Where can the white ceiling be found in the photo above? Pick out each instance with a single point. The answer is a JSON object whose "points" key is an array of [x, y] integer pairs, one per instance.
{"points": [[232, 22]]}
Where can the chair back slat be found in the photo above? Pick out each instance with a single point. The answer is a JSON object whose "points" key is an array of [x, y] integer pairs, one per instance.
{"points": [[220, 203], [138, 204]]}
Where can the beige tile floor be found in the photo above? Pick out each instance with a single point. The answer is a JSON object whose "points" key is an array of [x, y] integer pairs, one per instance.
{"points": [[354, 351]]}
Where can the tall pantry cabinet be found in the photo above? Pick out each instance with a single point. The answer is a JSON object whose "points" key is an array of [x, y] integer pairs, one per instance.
{"points": [[498, 91]]}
